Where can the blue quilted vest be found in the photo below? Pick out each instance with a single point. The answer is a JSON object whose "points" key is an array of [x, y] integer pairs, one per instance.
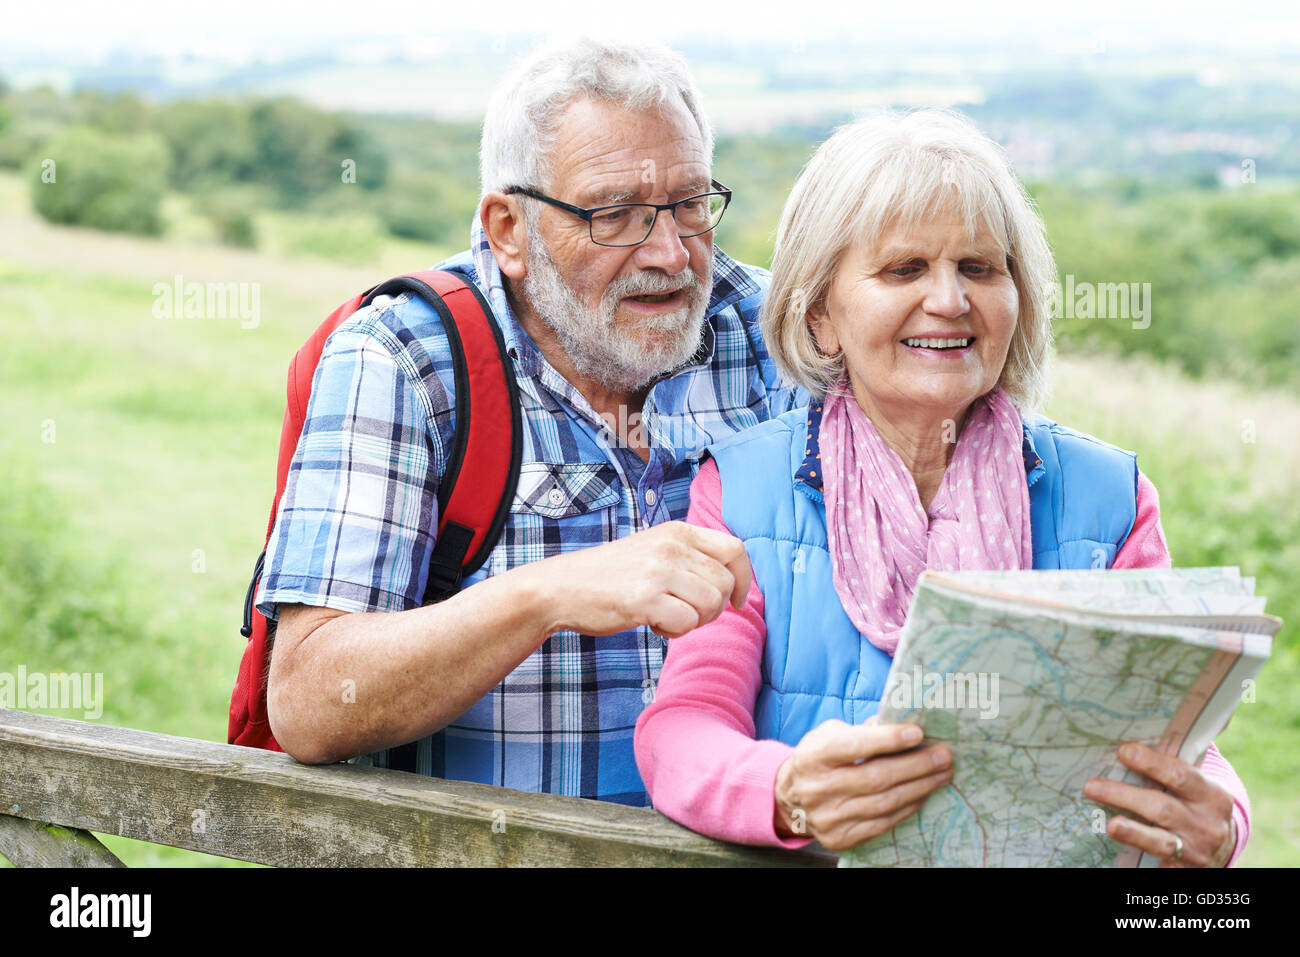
{"points": [[816, 665]]}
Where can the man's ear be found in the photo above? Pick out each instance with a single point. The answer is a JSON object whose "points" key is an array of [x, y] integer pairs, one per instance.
{"points": [[507, 234]]}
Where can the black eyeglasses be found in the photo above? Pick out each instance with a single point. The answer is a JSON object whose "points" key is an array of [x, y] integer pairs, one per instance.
{"points": [[630, 224]]}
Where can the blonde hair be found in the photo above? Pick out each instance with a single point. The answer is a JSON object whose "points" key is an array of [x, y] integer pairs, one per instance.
{"points": [[890, 169]]}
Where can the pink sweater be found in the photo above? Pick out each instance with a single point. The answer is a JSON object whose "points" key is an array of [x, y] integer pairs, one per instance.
{"points": [[695, 743]]}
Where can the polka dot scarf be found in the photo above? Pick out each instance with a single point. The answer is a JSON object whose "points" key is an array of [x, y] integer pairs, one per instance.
{"points": [[881, 539]]}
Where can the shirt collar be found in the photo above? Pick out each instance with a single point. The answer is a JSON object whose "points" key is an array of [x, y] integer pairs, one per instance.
{"points": [[810, 472], [1033, 461], [731, 282]]}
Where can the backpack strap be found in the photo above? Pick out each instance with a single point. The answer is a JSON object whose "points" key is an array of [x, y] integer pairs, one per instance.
{"points": [[488, 441]]}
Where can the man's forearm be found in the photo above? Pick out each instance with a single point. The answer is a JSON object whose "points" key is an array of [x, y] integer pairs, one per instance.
{"points": [[344, 684], [361, 682]]}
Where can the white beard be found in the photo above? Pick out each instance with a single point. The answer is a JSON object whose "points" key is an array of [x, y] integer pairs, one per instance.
{"points": [[599, 349]]}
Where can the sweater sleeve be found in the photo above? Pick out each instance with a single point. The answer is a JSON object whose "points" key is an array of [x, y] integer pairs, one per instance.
{"points": [[1145, 548], [695, 744]]}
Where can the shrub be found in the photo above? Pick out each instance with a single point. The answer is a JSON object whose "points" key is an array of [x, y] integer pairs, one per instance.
{"points": [[233, 213], [102, 180]]}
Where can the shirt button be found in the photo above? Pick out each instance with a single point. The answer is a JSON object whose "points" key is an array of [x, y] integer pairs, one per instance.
{"points": [[651, 497], [556, 496]]}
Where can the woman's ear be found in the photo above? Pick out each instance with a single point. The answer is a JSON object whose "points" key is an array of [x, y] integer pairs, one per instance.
{"points": [[823, 330]]}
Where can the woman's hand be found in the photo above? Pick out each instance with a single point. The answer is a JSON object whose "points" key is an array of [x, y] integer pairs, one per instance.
{"points": [[847, 783], [1195, 810]]}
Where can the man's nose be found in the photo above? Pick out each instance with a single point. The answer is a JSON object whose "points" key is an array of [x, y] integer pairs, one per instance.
{"points": [[946, 296], [663, 248]]}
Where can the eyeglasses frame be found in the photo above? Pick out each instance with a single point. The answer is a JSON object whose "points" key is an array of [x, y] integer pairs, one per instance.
{"points": [[588, 214]]}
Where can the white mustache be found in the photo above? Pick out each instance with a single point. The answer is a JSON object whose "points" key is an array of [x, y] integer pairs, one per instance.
{"points": [[652, 284]]}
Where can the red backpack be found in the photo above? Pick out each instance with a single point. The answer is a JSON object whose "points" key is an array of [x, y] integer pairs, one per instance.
{"points": [[485, 448]]}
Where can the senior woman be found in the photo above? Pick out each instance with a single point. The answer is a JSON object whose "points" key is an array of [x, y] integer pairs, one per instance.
{"points": [[909, 296]]}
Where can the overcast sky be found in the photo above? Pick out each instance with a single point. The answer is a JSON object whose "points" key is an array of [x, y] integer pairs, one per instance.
{"points": [[262, 28]]}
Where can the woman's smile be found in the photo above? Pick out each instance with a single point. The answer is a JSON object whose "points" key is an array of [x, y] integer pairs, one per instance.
{"points": [[931, 347]]}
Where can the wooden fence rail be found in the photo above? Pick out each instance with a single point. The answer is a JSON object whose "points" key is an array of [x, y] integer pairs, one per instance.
{"points": [[60, 779]]}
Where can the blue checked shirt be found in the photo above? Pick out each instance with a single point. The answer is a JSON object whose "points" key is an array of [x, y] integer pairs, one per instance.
{"points": [[358, 516]]}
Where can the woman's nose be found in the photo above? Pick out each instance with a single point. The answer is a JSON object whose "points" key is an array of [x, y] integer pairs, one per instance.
{"points": [[946, 296]]}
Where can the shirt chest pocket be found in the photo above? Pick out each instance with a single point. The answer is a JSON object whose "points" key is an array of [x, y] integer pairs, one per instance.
{"points": [[556, 491]]}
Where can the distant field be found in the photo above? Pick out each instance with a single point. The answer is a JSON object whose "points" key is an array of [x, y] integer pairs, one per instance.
{"points": [[128, 539]]}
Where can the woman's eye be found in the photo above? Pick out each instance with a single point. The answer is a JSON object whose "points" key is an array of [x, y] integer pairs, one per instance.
{"points": [[902, 272], [977, 268]]}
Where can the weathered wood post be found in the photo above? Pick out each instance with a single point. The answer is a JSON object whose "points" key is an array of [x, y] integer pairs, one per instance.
{"points": [[267, 808]]}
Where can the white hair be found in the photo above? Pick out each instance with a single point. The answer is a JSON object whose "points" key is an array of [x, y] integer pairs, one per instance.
{"points": [[525, 110], [891, 168]]}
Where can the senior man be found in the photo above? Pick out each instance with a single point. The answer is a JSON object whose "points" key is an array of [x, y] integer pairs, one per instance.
{"points": [[634, 343]]}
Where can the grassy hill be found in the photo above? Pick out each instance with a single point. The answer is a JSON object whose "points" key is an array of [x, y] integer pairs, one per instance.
{"points": [[140, 453]]}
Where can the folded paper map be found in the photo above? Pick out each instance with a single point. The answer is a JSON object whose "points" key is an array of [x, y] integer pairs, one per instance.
{"points": [[1034, 678]]}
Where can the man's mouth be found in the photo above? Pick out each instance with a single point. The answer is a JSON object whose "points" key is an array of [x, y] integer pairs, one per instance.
{"points": [[655, 298], [652, 304], [940, 344]]}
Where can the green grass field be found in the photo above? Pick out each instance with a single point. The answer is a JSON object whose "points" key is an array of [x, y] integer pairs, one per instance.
{"points": [[140, 458]]}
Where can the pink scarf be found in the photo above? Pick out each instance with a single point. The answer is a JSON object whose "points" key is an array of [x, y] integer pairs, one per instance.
{"points": [[881, 539]]}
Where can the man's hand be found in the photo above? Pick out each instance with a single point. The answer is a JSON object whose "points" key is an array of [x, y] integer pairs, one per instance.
{"points": [[673, 577], [847, 783]]}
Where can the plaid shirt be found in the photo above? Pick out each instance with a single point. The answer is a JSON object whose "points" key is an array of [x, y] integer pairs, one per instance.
{"points": [[359, 513]]}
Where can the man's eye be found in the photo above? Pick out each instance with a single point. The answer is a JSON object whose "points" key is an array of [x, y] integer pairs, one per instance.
{"points": [[611, 216]]}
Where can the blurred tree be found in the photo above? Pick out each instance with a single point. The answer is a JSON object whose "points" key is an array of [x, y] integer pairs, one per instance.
{"points": [[1258, 228], [369, 163], [291, 144], [115, 112], [301, 152], [19, 142], [428, 206], [102, 180], [211, 142]]}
